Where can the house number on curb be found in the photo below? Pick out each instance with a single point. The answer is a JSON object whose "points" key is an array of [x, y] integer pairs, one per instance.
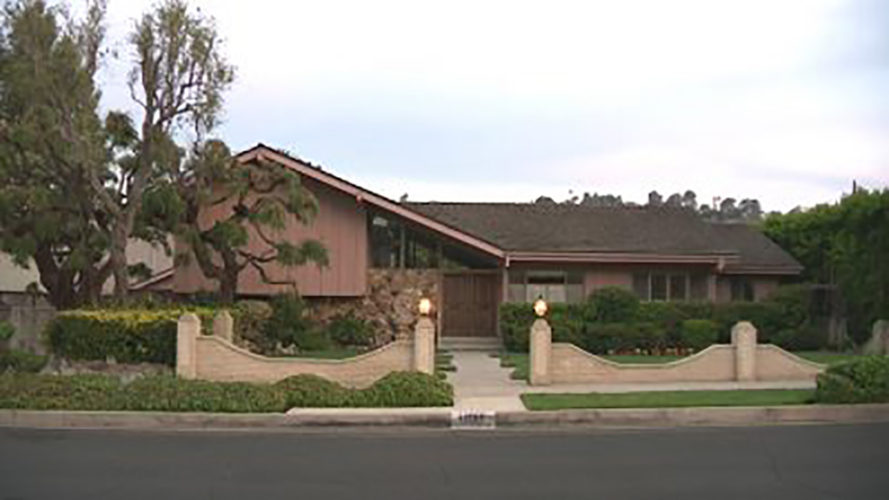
{"points": [[473, 419]]}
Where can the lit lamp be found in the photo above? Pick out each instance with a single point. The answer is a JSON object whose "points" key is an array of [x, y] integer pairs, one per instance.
{"points": [[540, 307], [425, 306]]}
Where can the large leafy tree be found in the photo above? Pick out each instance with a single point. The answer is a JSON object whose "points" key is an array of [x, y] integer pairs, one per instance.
{"points": [[231, 217], [844, 244], [178, 82], [51, 142]]}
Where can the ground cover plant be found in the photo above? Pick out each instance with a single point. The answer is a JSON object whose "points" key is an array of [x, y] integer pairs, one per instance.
{"points": [[669, 399], [168, 393], [862, 380]]}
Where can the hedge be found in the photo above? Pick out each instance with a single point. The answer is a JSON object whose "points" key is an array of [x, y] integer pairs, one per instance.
{"points": [[129, 336], [781, 320], [862, 380], [21, 361], [168, 393]]}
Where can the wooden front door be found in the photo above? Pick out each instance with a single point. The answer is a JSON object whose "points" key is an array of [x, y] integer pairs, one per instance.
{"points": [[470, 304]]}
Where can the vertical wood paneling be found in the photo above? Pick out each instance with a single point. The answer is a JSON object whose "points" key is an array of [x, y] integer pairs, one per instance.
{"points": [[340, 226]]}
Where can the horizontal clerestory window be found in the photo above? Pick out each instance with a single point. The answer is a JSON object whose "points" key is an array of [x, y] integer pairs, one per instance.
{"points": [[670, 286]]}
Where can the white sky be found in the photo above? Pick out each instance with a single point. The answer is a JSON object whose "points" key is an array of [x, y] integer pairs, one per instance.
{"points": [[784, 101]]}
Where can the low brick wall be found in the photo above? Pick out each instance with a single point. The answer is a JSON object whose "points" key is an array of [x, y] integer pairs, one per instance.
{"points": [[563, 363], [215, 357]]}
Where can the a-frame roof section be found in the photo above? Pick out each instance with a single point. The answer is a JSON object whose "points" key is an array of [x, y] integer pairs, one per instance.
{"points": [[261, 152]]}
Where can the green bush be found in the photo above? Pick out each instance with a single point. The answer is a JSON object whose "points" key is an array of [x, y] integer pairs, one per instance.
{"points": [[862, 380], [699, 333], [347, 330], [6, 331], [250, 317], [409, 389], [21, 361], [168, 393], [129, 336], [290, 325], [515, 325], [614, 304], [312, 391], [602, 338]]}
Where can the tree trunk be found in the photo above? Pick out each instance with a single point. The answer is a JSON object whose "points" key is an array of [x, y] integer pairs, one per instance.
{"points": [[118, 259], [228, 286]]}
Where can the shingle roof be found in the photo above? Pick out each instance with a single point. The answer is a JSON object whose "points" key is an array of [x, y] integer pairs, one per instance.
{"points": [[535, 227]]}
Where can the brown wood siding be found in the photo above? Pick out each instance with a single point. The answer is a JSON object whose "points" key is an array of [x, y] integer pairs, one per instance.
{"points": [[340, 225]]}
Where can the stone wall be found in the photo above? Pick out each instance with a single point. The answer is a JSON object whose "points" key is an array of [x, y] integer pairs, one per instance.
{"points": [[742, 360], [390, 303], [215, 357]]}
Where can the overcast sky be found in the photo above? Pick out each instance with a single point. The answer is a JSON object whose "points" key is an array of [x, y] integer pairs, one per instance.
{"points": [[784, 101]]}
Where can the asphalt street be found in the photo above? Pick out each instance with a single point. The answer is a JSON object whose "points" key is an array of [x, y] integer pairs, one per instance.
{"points": [[786, 462]]}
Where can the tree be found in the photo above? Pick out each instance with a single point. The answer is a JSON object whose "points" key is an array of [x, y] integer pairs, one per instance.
{"points": [[250, 204], [178, 82], [655, 199], [689, 200], [674, 200], [846, 244], [51, 141]]}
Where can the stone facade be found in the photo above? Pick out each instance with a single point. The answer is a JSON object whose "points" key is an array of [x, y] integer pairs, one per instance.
{"points": [[390, 304]]}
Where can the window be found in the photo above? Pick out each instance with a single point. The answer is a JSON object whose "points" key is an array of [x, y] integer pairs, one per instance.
{"points": [[553, 286], [668, 286], [742, 290]]}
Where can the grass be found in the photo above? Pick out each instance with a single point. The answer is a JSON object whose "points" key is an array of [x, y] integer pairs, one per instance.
{"points": [[669, 399], [827, 357], [519, 360], [444, 361]]}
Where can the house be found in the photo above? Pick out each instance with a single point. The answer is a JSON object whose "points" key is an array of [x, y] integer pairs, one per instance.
{"points": [[470, 257]]}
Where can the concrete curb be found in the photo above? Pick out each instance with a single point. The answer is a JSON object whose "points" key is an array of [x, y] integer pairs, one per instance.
{"points": [[440, 417], [444, 418], [686, 417]]}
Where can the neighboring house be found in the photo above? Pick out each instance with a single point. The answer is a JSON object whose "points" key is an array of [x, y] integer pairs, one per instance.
{"points": [[23, 302], [470, 257]]}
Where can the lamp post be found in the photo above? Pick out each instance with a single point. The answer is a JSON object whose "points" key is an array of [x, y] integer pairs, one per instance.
{"points": [[424, 339], [540, 345]]}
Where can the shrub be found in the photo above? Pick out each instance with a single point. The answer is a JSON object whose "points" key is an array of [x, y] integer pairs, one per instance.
{"points": [[602, 338], [129, 336], [614, 304], [348, 330], [168, 393], [306, 391], [699, 333], [409, 389], [250, 317], [21, 361], [862, 380], [515, 325], [6, 331], [290, 325], [54, 392]]}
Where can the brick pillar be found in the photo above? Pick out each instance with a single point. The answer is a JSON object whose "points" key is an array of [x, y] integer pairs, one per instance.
{"points": [[424, 346], [541, 350], [744, 342], [187, 331], [223, 325]]}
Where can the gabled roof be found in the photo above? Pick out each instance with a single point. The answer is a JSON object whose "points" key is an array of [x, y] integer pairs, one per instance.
{"points": [[263, 152], [536, 231], [570, 233]]}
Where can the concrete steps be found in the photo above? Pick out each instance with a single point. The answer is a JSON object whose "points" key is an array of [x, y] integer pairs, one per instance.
{"points": [[487, 344]]}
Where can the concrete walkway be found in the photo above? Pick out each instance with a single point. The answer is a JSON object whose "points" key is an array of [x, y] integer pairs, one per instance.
{"points": [[481, 384]]}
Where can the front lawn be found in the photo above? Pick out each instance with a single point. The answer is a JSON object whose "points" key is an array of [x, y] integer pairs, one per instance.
{"points": [[827, 357], [668, 399]]}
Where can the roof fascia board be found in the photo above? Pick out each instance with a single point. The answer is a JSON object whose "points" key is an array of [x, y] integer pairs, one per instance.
{"points": [[617, 258], [265, 153], [789, 271]]}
